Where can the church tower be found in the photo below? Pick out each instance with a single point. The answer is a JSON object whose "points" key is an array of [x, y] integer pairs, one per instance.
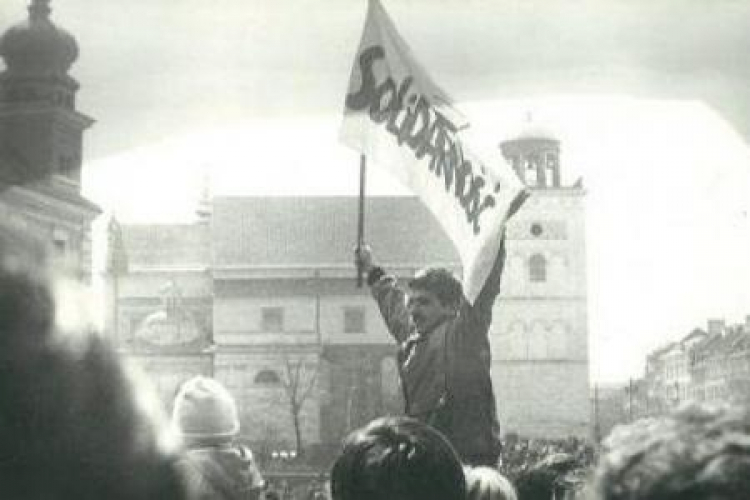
{"points": [[540, 333], [41, 139]]}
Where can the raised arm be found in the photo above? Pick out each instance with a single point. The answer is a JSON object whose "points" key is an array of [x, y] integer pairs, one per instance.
{"points": [[390, 298], [481, 312]]}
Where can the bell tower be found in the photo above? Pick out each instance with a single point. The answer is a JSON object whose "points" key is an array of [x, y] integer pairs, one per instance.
{"points": [[39, 125], [535, 156], [41, 140], [540, 337]]}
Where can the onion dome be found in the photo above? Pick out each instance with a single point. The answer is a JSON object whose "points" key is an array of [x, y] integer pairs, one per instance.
{"points": [[532, 129], [535, 131], [36, 47]]}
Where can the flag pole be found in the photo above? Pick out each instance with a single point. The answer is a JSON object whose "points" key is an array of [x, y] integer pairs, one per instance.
{"points": [[361, 216]]}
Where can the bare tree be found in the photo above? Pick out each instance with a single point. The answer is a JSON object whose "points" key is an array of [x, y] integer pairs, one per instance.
{"points": [[299, 379]]}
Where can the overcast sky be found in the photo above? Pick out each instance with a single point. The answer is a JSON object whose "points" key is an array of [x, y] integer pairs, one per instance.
{"points": [[650, 98]]}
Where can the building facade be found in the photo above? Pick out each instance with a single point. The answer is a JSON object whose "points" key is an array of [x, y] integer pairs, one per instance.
{"points": [[305, 351], [41, 137], [706, 366], [720, 365]]}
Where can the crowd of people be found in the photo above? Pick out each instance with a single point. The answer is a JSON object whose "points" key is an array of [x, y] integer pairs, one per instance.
{"points": [[76, 424], [520, 454]]}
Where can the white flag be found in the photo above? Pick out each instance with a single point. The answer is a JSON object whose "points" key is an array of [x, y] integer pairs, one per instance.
{"points": [[401, 120]]}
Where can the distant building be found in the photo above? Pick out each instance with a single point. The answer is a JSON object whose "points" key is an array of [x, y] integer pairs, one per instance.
{"points": [[721, 364], [669, 373], [705, 366], [163, 316], [41, 136]]}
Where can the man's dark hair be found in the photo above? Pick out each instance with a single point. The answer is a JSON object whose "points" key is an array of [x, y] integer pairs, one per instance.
{"points": [[397, 458], [441, 282], [697, 453]]}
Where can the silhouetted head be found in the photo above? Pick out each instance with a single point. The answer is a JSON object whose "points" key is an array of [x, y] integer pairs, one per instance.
{"points": [[397, 459], [72, 424], [697, 453]]}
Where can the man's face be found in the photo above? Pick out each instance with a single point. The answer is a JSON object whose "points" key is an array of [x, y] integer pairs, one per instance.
{"points": [[426, 310]]}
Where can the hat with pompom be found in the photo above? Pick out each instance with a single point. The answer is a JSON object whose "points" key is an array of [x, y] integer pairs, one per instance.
{"points": [[205, 411]]}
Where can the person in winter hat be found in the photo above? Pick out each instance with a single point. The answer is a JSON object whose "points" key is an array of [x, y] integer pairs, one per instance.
{"points": [[214, 465]]}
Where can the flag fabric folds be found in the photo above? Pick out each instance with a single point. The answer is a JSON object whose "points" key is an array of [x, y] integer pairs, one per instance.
{"points": [[403, 122]]}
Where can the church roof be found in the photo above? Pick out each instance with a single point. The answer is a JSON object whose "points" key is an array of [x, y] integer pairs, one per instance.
{"points": [[293, 231], [268, 231], [166, 245]]}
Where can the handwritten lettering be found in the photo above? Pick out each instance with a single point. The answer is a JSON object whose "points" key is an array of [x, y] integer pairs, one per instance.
{"points": [[416, 124]]}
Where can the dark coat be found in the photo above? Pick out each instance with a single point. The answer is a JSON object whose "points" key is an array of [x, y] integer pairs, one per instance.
{"points": [[446, 375], [226, 472]]}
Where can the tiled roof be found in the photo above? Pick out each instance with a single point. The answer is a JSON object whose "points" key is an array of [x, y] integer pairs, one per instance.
{"points": [[733, 340], [269, 231], [657, 353], [696, 334], [167, 245]]}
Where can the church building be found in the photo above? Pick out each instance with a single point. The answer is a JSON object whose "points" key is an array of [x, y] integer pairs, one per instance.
{"points": [[263, 297]]}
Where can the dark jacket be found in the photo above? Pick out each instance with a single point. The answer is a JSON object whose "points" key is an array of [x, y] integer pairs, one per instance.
{"points": [[446, 375], [225, 472]]}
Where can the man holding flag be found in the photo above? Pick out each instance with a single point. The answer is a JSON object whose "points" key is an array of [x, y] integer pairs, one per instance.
{"points": [[444, 357], [397, 116]]}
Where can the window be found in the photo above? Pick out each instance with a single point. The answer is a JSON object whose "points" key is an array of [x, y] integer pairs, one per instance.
{"points": [[60, 243], [272, 319], [65, 164], [267, 377], [538, 268], [531, 173], [59, 248], [354, 320]]}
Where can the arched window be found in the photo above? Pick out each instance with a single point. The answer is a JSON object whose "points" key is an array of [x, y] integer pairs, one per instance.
{"points": [[538, 268], [267, 377]]}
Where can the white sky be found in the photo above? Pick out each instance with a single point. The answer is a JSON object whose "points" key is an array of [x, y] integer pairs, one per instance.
{"points": [[650, 99]]}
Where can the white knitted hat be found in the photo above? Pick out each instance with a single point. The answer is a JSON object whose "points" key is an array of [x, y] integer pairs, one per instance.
{"points": [[205, 411]]}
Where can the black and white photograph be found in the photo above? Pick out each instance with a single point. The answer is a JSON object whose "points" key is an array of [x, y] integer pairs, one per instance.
{"points": [[375, 249]]}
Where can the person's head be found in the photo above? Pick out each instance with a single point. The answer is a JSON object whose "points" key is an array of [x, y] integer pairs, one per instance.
{"points": [[397, 458], [205, 413], [697, 453], [486, 483], [72, 423], [434, 296]]}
